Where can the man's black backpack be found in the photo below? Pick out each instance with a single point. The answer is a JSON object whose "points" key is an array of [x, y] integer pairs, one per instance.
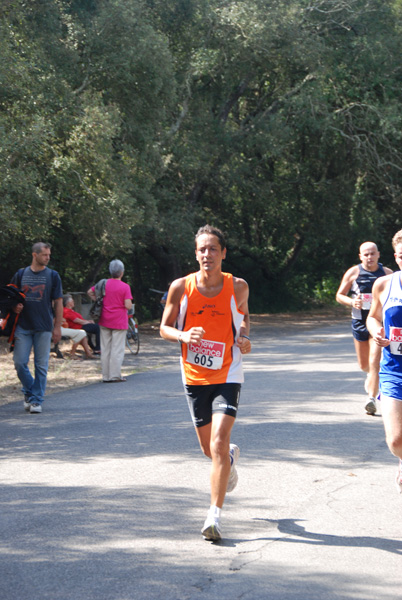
{"points": [[96, 309], [10, 296]]}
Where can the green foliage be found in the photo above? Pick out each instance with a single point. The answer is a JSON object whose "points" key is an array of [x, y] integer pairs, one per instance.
{"points": [[325, 291], [126, 124]]}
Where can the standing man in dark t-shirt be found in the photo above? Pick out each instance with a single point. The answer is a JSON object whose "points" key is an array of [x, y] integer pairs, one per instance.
{"points": [[42, 287], [358, 281]]}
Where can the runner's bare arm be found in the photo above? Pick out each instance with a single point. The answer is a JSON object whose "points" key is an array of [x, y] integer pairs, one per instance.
{"points": [[168, 330], [344, 289], [241, 292], [374, 320]]}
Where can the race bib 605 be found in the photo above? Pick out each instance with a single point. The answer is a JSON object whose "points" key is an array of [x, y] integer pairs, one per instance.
{"points": [[206, 354]]}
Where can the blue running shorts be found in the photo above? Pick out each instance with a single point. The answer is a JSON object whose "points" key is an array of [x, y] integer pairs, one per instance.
{"points": [[391, 386]]}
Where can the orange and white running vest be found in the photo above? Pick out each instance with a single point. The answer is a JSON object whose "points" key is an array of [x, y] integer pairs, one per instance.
{"points": [[215, 359]]}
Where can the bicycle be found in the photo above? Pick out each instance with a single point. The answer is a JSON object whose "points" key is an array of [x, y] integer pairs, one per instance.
{"points": [[133, 336]]}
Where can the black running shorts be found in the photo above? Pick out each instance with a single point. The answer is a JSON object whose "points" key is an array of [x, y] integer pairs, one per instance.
{"points": [[359, 330], [205, 400]]}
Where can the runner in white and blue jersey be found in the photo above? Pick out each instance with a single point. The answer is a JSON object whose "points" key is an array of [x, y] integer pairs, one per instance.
{"points": [[385, 325]]}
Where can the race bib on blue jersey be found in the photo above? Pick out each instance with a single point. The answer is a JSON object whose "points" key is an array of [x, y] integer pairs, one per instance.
{"points": [[395, 336]]}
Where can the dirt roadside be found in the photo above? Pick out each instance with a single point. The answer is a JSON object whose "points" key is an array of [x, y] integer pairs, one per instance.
{"points": [[65, 374]]}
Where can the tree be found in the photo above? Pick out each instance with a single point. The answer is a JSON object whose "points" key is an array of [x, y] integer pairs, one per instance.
{"points": [[126, 124], [281, 128], [81, 121]]}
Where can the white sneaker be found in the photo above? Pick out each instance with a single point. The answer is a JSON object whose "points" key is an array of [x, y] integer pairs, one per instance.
{"points": [[27, 404], [398, 480], [35, 407], [366, 385], [212, 529], [371, 407], [234, 454]]}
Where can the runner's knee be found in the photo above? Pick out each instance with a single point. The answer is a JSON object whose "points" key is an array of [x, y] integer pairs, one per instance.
{"points": [[394, 441], [206, 449], [220, 447]]}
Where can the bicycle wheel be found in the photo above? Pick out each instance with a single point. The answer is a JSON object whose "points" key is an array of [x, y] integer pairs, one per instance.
{"points": [[133, 337]]}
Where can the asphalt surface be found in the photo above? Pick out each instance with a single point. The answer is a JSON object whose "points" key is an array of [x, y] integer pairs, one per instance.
{"points": [[103, 495]]}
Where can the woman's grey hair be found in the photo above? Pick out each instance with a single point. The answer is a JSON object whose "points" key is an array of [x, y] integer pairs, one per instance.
{"points": [[66, 298], [116, 268]]}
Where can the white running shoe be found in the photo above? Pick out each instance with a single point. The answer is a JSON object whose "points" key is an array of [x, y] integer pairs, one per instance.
{"points": [[371, 407], [212, 529], [234, 454], [35, 408], [27, 404], [398, 480], [366, 385]]}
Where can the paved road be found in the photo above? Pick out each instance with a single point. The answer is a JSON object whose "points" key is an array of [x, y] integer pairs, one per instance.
{"points": [[104, 494]]}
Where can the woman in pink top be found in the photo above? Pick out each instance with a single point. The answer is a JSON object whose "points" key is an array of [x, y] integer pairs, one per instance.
{"points": [[113, 322]]}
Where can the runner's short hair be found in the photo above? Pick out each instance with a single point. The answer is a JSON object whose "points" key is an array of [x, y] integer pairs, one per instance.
{"points": [[209, 230], [397, 239]]}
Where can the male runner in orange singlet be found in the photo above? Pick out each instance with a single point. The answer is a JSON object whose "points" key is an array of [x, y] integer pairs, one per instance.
{"points": [[207, 313]]}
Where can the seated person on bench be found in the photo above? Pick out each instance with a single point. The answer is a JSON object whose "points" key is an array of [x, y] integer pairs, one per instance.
{"points": [[78, 337], [77, 321]]}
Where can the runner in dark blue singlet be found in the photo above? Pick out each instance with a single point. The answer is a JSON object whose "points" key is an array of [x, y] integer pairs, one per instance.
{"points": [[358, 282]]}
